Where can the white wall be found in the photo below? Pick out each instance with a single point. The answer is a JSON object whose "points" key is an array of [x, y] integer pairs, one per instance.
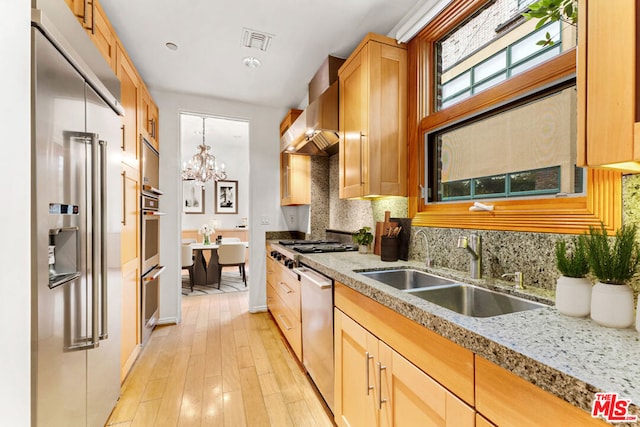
{"points": [[15, 277], [264, 189]]}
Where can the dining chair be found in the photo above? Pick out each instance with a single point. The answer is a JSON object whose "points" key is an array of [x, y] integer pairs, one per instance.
{"points": [[229, 255], [187, 261]]}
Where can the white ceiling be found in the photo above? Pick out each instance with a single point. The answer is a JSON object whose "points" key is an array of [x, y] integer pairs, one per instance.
{"points": [[208, 33]]}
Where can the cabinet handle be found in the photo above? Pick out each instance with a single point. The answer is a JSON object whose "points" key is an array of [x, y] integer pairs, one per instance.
{"points": [[84, 13], [123, 136], [380, 399], [286, 181], [366, 361], [152, 123], [285, 288], [284, 322], [93, 15], [124, 198], [362, 159]]}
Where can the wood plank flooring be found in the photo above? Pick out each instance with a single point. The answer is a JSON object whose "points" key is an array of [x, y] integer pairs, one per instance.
{"points": [[222, 366]]}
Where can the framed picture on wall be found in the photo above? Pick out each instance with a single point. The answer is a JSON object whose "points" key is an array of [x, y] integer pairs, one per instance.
{"points": [[192, 198], [226, 197]]}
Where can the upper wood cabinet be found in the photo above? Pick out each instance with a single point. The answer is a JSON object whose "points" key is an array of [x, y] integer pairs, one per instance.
{"points": [[129, 93], [373, 122], [95, 22], [149, 118], [295, 170], [295, 179], [608, 89]]}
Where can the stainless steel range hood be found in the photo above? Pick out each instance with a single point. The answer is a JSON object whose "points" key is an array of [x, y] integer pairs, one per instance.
{"points": [[315, 131]]}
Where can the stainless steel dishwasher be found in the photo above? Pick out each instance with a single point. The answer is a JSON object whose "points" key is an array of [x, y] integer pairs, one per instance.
{"points": [[317, 330]]}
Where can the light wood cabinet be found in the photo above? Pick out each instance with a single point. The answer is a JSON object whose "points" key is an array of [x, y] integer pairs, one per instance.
{"points": [[130, 329], [508, 400], [443, 360], [149, 118], [95, 22], [129, 87], [608, 114], [130, 264], [102, 34], [355, 354], [373, 122], [130, 235], [376, 386], [295, 179], [283, 301]]}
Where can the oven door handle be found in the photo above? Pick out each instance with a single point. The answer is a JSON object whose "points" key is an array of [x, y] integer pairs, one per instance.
{"points": [[153, 274], [153, 213]]}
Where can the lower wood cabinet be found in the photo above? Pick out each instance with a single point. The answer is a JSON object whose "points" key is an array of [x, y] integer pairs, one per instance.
{"points": [[130, 335], [508, 400], [391, 371], [376, 386], [283, 301]]}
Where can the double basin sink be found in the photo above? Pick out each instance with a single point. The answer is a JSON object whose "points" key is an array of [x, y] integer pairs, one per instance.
{"points": [[462, 298]]}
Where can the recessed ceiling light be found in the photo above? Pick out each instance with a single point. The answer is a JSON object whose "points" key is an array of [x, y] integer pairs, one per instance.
{"points": [[171, 46], [251, 62]]}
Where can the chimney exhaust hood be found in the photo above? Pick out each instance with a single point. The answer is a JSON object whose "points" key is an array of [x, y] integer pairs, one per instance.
{"points": [[315, 131]]}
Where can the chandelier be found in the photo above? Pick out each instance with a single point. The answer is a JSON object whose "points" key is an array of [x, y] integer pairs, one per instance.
{"points": [[203, 166]]}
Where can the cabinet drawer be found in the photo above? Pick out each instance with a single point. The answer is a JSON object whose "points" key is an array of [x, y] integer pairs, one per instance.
{"points": [[288, 288], [288, 323]]}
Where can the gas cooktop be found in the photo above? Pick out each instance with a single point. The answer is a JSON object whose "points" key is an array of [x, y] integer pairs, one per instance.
{"points": [[320, 248]]}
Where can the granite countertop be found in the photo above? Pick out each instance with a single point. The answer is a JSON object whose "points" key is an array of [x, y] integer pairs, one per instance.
{"points": [[572, 358]]}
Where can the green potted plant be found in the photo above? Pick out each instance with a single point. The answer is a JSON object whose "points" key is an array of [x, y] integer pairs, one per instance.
{"points": [[363, 238], [573, 289], [613, 262]]}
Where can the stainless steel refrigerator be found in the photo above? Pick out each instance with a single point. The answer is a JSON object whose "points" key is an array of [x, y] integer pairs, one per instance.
{"points": [[76, 206]]}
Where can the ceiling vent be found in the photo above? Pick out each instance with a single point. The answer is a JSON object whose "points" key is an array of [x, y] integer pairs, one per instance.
{"points": [[256, 39]]}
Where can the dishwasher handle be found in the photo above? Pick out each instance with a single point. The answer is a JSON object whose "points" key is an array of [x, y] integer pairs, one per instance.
{"points": [[307, 274]]}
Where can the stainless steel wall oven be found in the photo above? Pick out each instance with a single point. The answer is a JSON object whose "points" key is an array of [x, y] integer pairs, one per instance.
{"points": [[150, 240]]}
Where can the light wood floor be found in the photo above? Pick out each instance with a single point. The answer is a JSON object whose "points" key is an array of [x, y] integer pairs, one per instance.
{"points": [[222, 366]]}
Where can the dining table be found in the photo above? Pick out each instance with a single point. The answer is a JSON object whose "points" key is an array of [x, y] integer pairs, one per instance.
{"points": [[205, 263]]}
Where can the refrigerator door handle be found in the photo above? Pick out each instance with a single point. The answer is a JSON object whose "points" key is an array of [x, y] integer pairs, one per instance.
{"points": [[104, 318], [96, 240]]}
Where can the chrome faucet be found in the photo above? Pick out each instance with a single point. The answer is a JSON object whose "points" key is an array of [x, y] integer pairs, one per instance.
{"points": [[428, 262], [517, 279], [473, 245]]}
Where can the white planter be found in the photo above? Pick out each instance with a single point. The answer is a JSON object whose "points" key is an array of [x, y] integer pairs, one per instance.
{"points": [[363, 249], [612, 305], [573, 296]]}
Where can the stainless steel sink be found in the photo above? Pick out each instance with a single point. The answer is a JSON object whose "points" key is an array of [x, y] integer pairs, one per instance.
{"points": [[407, 278], [474, 301]]}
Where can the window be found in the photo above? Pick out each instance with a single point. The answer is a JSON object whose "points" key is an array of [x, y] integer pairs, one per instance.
{"points": [[491, 46], [461, 88], [534, 140]]}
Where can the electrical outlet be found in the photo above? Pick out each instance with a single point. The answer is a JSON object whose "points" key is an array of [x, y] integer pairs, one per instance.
{"points": [[264, 220], [292, 219]]}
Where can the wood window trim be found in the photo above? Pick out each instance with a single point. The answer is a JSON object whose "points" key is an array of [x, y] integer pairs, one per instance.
{"points": [[573, 215]]}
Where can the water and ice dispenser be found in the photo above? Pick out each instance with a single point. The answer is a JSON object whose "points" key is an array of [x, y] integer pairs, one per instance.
{"points": [[63, 250]]}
